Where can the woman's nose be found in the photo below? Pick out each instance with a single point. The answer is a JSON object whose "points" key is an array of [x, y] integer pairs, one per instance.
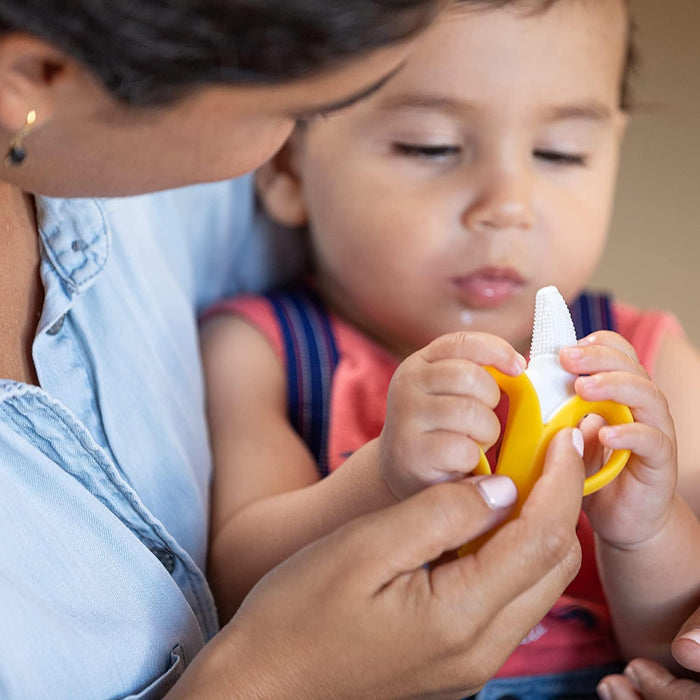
{"points": [[502, 201]]}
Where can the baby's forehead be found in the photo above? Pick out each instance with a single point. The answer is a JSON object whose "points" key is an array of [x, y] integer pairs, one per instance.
{"points": [[484, 33], [482, 66]]}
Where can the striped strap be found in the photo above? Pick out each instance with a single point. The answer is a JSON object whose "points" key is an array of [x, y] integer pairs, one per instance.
{"points": [[592, 312], [311, 358]]}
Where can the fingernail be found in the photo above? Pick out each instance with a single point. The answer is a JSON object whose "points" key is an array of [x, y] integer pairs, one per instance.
{"points": [[588, 382], [691, 635], [498, 491], [577, 441], [572, 352], [588, 340], [522, 363], [603, 691], [631, 675], [610, 433]]}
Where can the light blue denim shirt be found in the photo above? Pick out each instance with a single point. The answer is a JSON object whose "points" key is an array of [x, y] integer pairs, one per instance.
{"points": [[106, 467]]}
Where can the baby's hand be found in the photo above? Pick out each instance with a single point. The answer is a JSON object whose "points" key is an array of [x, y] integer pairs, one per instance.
{"points": [[440, 410], [634, 506]]}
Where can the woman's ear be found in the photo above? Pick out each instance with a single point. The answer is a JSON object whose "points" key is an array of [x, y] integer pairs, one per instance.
{"points": [[29, 71], [280, 189]]}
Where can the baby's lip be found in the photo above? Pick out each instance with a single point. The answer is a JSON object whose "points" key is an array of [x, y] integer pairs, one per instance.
{"points": [[489, 287]]}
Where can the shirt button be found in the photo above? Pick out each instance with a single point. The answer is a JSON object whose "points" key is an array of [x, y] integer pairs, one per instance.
{"points": [[56, 327], [165, 557]]}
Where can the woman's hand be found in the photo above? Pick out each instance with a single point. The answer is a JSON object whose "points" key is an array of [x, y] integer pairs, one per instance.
{"points": [[440, 410], [647, 680], [358, 614]]}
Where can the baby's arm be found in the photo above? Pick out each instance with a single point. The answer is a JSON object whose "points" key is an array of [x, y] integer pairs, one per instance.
{"points": [[677, 373], [267, 500], [646, 535]]}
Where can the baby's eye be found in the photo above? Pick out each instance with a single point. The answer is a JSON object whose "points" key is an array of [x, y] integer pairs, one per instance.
{"points": [[419, 150], [560, 158]]}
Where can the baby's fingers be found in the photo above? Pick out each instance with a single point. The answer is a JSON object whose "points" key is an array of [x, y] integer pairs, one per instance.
{"points": [[652, 446], [611, 340], [597, 357], [446, 456], [463, 415], [646, 401], [454, 365], [458, 378], [480, 348]]}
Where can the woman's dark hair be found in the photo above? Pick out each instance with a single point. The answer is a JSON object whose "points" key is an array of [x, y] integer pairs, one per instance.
{"points": [[149, 52]]}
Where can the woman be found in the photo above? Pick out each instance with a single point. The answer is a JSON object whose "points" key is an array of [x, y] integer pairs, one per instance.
{"points": [[102, 434]]}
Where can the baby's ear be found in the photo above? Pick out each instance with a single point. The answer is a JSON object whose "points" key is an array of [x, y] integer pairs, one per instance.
{"points": [[280, 189]]}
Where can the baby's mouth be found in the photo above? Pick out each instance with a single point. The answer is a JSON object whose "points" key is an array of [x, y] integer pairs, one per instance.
{"points": [[488, 287]]}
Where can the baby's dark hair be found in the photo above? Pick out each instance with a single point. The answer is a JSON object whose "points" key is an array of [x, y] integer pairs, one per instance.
{"points": [[631, 60], [150, 52]]}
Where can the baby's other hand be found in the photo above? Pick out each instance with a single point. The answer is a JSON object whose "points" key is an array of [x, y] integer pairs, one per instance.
{"points": [[440, 410], [634, 506]]}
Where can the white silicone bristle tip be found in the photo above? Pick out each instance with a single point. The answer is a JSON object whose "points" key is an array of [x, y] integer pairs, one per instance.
{"points": [[553, 328]]}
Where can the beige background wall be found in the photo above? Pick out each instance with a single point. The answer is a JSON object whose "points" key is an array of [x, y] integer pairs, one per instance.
{"points": [[653, 256]]}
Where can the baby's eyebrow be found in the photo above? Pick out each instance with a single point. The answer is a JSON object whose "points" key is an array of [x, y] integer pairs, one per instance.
{"points": [[438, 103], [591, 110]]}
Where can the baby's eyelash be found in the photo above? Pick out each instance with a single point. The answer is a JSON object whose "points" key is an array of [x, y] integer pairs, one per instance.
{"points": [[559, 158], [425, 151]]}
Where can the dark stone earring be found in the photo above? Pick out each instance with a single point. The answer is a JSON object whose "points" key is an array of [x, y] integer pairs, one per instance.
{"points": [[15, 156], [17, 153]]}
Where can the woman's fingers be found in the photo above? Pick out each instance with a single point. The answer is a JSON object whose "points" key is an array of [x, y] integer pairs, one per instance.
{"points": [[541, 539], [647, 680], [686, 645]]}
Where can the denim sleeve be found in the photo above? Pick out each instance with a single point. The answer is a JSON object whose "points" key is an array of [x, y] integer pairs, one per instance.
{"points": [[213, 237]]}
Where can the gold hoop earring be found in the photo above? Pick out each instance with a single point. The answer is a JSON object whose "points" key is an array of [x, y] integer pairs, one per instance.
{"points": [[16, 152]]}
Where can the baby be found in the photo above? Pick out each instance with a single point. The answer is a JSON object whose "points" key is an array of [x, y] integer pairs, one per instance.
{"points": [[435, 209]]}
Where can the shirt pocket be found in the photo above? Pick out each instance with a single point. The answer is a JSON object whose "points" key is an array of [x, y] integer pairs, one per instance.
{"points": [[159, 687]]}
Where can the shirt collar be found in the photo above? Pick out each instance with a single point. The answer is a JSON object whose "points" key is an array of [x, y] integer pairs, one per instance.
{"points": [[76, 237]]}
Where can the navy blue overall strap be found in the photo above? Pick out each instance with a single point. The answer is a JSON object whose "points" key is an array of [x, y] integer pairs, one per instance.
{"points": [[311, 356], [592, 311]]}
